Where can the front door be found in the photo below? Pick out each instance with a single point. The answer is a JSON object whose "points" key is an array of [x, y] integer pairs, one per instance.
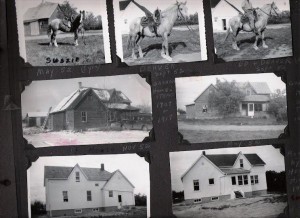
{"points": [[120, 200], [224, 24], [251, 110]]}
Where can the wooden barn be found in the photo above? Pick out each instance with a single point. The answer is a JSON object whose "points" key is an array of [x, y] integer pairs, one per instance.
{"points": [[35, 119], [91, 108], [36, 19]]}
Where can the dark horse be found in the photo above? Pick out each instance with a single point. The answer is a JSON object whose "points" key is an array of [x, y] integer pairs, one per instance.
{"points": [[59, 24]]}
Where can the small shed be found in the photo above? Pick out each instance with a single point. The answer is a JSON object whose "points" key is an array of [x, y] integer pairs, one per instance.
{"points": [[35, 119], [36, 19]]}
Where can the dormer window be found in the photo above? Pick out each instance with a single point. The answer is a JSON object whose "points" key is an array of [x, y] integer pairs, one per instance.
{"points": [[77, 177], [241, 163], [248, 92]]}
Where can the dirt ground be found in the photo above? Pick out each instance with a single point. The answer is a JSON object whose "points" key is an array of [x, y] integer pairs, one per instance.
{"points": [[38, 49], [278, 38], [198, 133], [184, 46], [46, 139], [268, 206]]}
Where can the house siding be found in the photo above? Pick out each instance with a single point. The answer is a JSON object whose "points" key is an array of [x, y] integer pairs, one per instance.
{"points": [[207, 199], [58, 121], [70, 119]]}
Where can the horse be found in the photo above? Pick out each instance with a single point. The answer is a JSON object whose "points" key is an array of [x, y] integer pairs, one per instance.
{"points": [[168, 17], [58, 24], [263, 15]]}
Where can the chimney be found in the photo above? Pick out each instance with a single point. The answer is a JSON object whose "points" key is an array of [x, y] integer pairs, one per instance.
{"points": [[203, 152], [80, 85], [102, 167]]}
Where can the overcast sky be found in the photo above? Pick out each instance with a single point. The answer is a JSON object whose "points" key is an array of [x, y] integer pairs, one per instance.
{"points": [[181, 161], [95, 6], [40, 95], [135, 168], [189, 88]]}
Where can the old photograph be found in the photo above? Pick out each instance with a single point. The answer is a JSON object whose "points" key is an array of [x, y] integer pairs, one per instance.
{"points": [[83, 111], [230, 182], [231, 107], [89, 186], [63, 33], [251, 29], [155, 32]]}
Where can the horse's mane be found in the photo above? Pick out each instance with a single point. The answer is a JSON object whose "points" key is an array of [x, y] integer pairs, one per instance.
{"points": [[264, 7], [170, 8]]}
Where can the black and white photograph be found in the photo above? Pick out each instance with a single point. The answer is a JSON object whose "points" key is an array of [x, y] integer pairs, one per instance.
{"points": [[231, 107], [99, 110], [230, 182], [251, 29], [156, 32], [89, 186], [63, 32]]}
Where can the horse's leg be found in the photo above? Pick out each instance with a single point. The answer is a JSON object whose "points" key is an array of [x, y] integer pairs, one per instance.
{"points": [[256, 40], [132, 41], [138, 42], [165, 52], [54, 38], [263, 39], [76, 37], [234, 42]]}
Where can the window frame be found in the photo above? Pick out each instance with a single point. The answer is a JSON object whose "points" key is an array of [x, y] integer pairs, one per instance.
{"points": [[84, 117], [209, 181], [77, 176], [233, 178], [65, 196], [195, 181], [110, 194], [241, 163], [89, 195]]}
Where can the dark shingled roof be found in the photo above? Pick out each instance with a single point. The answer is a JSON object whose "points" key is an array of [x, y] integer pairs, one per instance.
{"points": [[93, 174], [42, 11], [222, 160], [214, 3], [254, 159], [123, 4]]}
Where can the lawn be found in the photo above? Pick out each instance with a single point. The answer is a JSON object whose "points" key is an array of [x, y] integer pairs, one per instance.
{"points": [[271, 206], [39, 52], [183, 46], [201, 136], [279, 41]]}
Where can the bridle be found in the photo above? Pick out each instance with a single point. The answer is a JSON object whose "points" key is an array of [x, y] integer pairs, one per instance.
{"points": [[179, 13], [272, 8]]}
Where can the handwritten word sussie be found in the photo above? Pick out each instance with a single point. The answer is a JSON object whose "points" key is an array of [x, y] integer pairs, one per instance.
{"points": [[62, 60]]}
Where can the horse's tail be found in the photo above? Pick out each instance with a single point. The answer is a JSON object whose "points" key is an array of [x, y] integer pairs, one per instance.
{"points": [[49, 30], [227, 33]]}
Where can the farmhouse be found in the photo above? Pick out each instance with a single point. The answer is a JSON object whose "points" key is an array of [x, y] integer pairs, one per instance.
{"points": [[36, 19], [88, 108], [35, 119], [224, 176], [255, 103], [78, 190], [222, 11]]}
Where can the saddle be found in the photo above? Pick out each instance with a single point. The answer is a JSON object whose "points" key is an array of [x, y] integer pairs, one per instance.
{"points": [[152, 21], [245, 18]]}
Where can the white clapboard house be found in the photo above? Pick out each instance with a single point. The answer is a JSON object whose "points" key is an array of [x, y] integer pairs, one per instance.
{"points": [[222, 11], [78, 190], [224, 176]]}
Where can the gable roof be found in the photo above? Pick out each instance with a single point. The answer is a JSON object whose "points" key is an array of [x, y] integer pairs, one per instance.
{"points": [[42, 11], [225, 162], [104, 95], [211, 85], [92, 174], [256, 98], [123, 5], [122, 175], [260, 88]]}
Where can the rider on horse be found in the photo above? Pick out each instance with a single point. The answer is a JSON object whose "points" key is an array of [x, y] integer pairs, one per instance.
{"points": [[250, 13], [152, 20]]}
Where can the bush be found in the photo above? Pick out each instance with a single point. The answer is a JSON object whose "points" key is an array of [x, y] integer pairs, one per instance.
{"points": [[278, 106], [276, 182], [283, 18], [38, 208], [140, 200], [177, 197]]}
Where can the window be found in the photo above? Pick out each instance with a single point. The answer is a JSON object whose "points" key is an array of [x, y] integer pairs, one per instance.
{"points": [[89, 195], [241, 163], [245, 177], [197, 200], [78, 211], [65, 196], [256, 179], [240, 180], [84, 116], [77, 177], [258, 107], [110, 194], [96, 209], [120, 198], [96, 184], [252, 180], [215, 198], [233, 180], [211, 181], [196, 185]]}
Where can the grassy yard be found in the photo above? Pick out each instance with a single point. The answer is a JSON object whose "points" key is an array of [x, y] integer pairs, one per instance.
{"points": [[38, 50], [271, 206], [278, 40], [200, 136], [182, 43]]}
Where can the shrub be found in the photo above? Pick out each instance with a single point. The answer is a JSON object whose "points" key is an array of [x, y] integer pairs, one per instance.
{"points": [[38, 208], [276, 182], [278, 106], [140, 200]]}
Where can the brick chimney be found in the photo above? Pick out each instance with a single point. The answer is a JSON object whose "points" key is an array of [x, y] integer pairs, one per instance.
{"points": [[203, 152], [102, 167]]}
